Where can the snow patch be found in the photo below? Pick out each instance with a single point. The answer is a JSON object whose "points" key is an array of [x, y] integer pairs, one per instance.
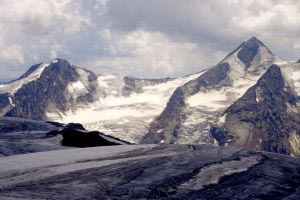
{"points": [[237, 67], [213, 173], [220, 98], [291, 74], [222, 120], [11, 102], [77, 89], [264, 58]]}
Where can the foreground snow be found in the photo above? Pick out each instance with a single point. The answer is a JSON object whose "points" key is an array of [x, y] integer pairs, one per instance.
{"points": [[149, 172]]}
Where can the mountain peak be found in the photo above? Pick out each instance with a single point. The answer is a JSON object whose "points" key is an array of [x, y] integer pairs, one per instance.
{"points": [[250, 55], [254, 40]]}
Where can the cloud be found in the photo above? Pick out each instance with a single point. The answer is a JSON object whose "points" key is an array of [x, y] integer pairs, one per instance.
{"points": [[218, 24], [12, 54], [144, 38], [32, 31], [145, 53]]}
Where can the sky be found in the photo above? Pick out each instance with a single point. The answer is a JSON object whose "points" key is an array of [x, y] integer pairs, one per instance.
{"points": [[142, 38]]}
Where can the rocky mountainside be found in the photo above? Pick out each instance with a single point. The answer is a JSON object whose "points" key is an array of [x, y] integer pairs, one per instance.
{"points": [[265, 118], [117, 105], [55, 86], [198, 104], [217, 106], [150, 172]]}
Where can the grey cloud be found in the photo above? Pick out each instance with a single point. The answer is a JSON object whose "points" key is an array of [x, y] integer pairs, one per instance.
{"points": [[218, 24]]}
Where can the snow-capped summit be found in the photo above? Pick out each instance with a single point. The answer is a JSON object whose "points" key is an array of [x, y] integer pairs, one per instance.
{"points": [[198, 103], [170, 110], [48, 87], [251, 56]]}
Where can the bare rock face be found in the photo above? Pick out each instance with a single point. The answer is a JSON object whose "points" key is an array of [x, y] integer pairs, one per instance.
{"points": [[265, 118], [150, 172], [51, 92]]}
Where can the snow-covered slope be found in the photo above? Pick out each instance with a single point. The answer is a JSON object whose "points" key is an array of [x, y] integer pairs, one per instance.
{"points": [[198, 104], [150, 172], [20, 136], [122, 114], [14, 86], [169, 110], [267, 116], [119, 106]]}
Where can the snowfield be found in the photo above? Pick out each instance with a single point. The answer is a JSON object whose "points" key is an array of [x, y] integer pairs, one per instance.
{"points": [[149, 172], [125, 117]]}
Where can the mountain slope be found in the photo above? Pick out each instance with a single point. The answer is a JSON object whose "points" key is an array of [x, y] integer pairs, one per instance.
{"points": [[195, 109], [20, 136], [49, 88], [57, 91], [127, 106], [198, 104], [150, 172], [266, 117]]}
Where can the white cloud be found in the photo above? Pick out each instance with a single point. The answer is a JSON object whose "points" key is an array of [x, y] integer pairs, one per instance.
{"points": [[12, 54], [217, 24], [148, 38], [34, 31], [41, 17], [151, 53]]}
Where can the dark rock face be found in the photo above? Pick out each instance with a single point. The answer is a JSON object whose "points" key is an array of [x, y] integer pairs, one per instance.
{"points": [[249, 50], [263, 118], [159, 172], [170, 119], [49, 92], [82, 139], [5, 104]]}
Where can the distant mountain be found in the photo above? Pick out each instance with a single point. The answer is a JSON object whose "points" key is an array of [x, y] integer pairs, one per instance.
{"points": [[58, 91], [198, 104], [266, 117], [216, 106], [244, 101], [55, 86]]}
